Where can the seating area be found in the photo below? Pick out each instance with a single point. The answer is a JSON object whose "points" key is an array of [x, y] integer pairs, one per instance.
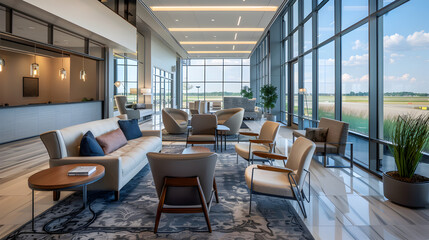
{"points": [[202, 119]]}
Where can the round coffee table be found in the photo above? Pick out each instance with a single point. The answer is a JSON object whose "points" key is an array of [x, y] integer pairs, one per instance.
{"points": [[57, 179]]}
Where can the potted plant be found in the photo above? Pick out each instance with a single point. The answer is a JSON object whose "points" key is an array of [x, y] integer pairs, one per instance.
{"points": [[269, 97], [246, 92], [409, 137]]}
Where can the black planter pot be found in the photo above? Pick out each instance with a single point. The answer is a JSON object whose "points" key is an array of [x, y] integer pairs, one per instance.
{"points": [[414, 195]]}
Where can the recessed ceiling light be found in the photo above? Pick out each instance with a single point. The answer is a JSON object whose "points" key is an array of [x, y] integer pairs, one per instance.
{"points": [[239, 20], [217, 47], [213, 20], [193, 47], [177, 20], [233, 47], [214, 36], [216, 29], [186, 36], [215, 42], [214, 8], [195, 52], [235, 36]]}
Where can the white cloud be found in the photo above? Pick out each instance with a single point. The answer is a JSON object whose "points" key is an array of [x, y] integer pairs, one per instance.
{"points": [[347, 78], [327, 62], [406, 77], [358, 45], [356, 60], [364, 78], [397, 42], [418, 39], [394, 41]]}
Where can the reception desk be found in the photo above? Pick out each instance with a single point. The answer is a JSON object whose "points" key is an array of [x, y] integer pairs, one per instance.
{"points": [[19, 122]]}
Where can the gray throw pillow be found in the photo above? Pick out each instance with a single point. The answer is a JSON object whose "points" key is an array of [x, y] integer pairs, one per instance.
{"points": [[316, 134]]}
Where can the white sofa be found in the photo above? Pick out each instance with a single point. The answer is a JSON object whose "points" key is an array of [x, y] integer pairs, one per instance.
{"points": [[120, 166]]}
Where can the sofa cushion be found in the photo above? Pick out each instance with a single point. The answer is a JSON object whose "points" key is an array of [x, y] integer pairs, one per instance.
{"points": [[130, 128], [135, 152], [112, 140], [89, 146], [316, 134]]}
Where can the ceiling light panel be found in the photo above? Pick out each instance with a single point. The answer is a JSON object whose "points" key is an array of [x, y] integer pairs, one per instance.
{"points": [[216, 29], [214, 8], [216, 52], [216, 42]]}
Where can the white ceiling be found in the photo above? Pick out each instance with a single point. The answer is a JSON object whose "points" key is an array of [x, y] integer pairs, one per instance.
{"points": [[223, 19]]}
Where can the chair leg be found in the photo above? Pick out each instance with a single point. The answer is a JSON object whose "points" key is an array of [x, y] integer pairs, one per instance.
{"points": [[204, 206], [237, 158], [215, 188], [251, 191], [56, 195], [160, 206]]}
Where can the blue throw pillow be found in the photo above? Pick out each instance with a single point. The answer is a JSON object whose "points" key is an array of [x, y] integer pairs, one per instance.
{"points": [[130, 128], [89, 146]]}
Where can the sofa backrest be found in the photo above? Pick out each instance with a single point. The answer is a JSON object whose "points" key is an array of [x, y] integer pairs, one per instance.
{"points": [[239, 102], [65, 142]]}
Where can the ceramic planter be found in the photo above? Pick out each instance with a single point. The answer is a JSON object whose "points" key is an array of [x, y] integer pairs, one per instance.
{"points": [[415, 195], [271, 117]]}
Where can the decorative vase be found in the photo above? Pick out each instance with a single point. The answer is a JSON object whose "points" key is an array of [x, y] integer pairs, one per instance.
{"points": [[415, 195]]}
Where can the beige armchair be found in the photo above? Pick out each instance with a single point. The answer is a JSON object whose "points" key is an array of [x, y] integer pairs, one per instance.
{"points": [[231, 118], [336, 140], [202, 130], [285, 182], [194, 107], [175, 120], [120, 103], [184, 182], [217, 105], [265, 141]]}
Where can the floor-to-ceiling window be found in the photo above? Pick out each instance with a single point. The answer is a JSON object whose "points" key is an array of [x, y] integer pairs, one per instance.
{"points": [[125, 78], [161, 89], [213, 79], [358, 61]]}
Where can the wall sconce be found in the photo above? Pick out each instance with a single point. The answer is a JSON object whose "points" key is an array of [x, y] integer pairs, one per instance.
{"points": [[118, 84], [34, 67], [82, 72], [145, 91]]}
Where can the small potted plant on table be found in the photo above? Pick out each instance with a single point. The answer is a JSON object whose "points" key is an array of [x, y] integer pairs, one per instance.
{"points": [[409, 137], [269, 97]]}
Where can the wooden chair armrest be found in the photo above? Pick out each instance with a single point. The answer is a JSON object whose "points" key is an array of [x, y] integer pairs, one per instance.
{"points": [[269, 155], [260, 141], [274, 169], [249, 134]]}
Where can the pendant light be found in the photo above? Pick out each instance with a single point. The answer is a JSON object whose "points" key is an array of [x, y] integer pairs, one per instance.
{"points": [[63, 72], [2, 61], [34, 68], [82, 72]]}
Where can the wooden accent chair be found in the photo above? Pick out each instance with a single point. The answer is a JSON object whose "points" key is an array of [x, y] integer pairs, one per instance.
{"points": [[184, 182], [232, 118], [202, 130], [285, 182], [175, 120], [265, 141], [336, 141]]}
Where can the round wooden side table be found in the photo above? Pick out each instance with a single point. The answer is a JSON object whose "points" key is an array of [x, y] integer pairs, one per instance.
{"points": [[57, 179]]}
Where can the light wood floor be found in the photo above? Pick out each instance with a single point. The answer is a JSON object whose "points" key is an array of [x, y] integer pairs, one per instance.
{"points": [[345, 204]]}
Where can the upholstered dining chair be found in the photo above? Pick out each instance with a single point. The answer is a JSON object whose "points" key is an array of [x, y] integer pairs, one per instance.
{"points": [[184, 183], [285, 182], [175, 120], [232, 118], [120, 103], [265, 141], [202, 130]]}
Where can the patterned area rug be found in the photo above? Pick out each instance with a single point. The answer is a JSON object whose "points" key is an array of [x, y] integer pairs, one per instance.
{"points": [[133, 216]]}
